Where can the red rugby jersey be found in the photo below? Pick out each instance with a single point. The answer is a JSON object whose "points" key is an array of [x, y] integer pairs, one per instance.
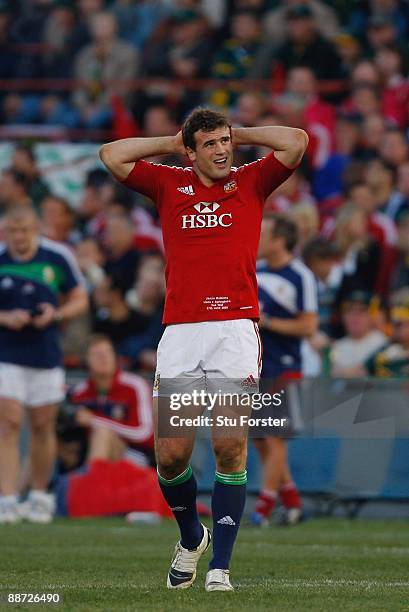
{"points": [[126, 407], [210, 235]]}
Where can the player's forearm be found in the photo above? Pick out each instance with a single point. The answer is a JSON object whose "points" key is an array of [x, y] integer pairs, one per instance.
{"points": [[132, 149], [76, 305], [278, 138], [4, 315], [300, 328]]}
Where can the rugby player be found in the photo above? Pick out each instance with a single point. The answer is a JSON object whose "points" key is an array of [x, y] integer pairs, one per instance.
{"points": [[210, 215], [34, 273], [288, 302]]}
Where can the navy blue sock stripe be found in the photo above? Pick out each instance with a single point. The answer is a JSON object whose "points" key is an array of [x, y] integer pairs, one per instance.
{"points": [[181, 497], [227, 509]]}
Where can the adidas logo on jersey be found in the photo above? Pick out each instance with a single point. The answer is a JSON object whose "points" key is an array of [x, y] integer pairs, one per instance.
{"points": [[187, 190], [226, 520], [206, 218], [250, 381]]}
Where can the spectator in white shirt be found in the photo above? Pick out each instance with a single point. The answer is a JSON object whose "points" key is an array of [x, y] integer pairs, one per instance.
{"points": [[362, 340]]}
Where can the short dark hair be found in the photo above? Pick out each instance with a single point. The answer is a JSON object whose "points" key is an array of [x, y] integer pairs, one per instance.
{"points": [[98, 339], [18, 177], [204, 119], [319, 248], [285, 228], [64, 203], [27, 150]]}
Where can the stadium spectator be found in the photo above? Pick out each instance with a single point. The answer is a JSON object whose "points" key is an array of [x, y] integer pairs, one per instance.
{"points": [[9, 57], [365, 100], [23, 161], [14, 189], [182, 48], [91, 260], [287, 294], [305, 46], [86, 10], [95, 198], [373, 130], [328, 180], [115, 407], [58, 220], [359, 16], [34, 272], [392, 361], [381, 177], [381, 32], [237, 57], [349, 50], [59, 29], [321, 257], [401, 200], [400, 275], [365, 72], [361, 256], [112, 316], [316, 116], [380, 226], [395, 91], [295, 190], [306, 218], [394, 147], [146, 300], [158, 121], [137, 21], [249, 108], [122, 256], [361, 340], [325, 18], [104, 60]]}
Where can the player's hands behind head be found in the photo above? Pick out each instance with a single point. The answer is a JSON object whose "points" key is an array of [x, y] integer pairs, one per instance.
{"points": [[179, 146]]}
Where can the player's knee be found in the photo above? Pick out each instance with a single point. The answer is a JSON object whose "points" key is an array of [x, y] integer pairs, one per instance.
{"points": [[10, 426], [230, 455], [172, 465], [42, 425]]}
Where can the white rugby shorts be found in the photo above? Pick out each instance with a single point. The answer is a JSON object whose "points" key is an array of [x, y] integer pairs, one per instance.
{"points": [[32, 387], [208, 355]]}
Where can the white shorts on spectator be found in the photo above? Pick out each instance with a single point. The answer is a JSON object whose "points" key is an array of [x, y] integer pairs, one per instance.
{"points": [[32, 387]]}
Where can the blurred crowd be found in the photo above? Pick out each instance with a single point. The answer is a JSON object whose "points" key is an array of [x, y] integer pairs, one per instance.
{"points": [[337, 69]]}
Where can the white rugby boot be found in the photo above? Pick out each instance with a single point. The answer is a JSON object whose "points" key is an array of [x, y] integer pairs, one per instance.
{"points": [[182, 572], [38, 508], [9, 513], [218, 580]]}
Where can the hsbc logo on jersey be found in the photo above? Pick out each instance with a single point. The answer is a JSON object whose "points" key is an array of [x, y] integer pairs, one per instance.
{"points": [[206, 217]]}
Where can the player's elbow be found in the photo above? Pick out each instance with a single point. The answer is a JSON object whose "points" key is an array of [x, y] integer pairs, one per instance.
{"points": [[299, 141], [105, 154], [310, 326]]}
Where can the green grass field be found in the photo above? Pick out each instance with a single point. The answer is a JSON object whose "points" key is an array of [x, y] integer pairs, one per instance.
{"points": [[322, 564]]}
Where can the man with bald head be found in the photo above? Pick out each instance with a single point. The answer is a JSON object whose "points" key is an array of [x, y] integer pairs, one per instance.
{"points": [[40, 286]]}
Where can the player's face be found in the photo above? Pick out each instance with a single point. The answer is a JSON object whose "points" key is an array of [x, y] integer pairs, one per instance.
{"points": [[266, 238], [21, 235], [213, 156], [101, 359]]}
